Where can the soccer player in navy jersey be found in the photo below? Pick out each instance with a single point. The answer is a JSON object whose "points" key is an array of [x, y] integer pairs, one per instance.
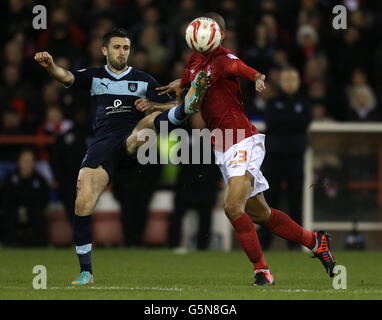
{"points": [[121, 97]]}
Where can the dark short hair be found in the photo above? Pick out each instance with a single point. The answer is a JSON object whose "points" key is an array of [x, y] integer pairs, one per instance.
{"points": [[217, 17], [115, 32]]}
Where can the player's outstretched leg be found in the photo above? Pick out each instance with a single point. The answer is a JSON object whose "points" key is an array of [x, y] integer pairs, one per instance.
{"points": [[174, 116], [190, 105], [194, 96], [282, 225]]}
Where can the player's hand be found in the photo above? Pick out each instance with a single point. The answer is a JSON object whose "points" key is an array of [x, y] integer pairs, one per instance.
{"points": [[172, 86], [143, 104], [44, 59], [259, 81]]}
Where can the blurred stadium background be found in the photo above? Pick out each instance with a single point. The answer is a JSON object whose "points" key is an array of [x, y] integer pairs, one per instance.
{"points": [[341, 73]]}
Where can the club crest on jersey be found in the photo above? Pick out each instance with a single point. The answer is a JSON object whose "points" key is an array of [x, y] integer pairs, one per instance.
{"points": [[208, 71], [132, 86]]}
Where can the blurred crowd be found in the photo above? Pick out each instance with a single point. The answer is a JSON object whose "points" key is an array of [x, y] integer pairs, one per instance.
{"points": [[340, 70]]}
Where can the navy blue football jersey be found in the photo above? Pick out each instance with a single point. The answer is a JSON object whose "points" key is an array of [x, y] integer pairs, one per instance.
{"points": [[113, 95]]}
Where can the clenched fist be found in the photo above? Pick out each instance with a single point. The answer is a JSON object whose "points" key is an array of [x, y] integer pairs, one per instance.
{"points": [[44, 59], [259, 80]]}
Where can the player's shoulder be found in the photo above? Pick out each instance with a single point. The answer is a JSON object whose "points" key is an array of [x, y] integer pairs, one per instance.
{"points": [[140, 75], [225, 53]]}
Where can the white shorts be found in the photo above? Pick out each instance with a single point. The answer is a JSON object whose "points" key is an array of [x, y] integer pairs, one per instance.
{"points": [[247, 155]]}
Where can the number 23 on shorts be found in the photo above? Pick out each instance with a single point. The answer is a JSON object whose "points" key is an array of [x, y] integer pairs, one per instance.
{"points": [[241, 156]]}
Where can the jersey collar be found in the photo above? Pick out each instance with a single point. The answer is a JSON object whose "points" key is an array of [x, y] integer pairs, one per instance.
{"points": [[115, 75]]}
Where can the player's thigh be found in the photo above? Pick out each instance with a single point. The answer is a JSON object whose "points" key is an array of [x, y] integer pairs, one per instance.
{"points": [[148, 121], [139, 136], [238, 190], [91, 182], [258, 209]]}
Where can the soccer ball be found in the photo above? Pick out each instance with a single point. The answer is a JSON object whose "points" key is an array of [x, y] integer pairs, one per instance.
{"points": [[203, 35]]}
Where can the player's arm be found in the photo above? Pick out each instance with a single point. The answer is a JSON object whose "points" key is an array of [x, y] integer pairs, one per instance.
{"points": [[60, 74], [240, 69], [171, 87], [147, 106], [230, 65]]}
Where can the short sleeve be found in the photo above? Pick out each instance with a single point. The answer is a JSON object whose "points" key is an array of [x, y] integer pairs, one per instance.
{"points": [[152, 94], [82, 79]]}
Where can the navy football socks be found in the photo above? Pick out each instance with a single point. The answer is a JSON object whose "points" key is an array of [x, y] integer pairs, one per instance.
{"points": [[174, 117], [83, 240]]}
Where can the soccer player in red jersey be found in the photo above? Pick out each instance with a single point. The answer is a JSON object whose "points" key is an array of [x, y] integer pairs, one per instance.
{"points": [[240, 156]]}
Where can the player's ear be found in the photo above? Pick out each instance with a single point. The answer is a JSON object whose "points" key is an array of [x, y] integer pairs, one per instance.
{"points": [[104, 51], [223, 35]]}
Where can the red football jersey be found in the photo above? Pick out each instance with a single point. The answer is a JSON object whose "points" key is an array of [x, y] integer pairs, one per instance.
{"points": [[222, 106]]}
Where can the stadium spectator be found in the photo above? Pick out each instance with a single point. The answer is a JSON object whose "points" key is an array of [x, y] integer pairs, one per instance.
{"points": [[11, 124], [320, 113], [187, 11], [13, 53], [139, 59], [158, 54], [287, 117], [62, 38], [133, 187], [196, 188], [259, 55], [308, 45], [102, 26], [16, 20], [93, 57], [18, 94], [25, 197], [151, 17], [363, 105], [54, 125], [101, 9], [229, 10], [351, 52], [66, 156], [230, 40]]}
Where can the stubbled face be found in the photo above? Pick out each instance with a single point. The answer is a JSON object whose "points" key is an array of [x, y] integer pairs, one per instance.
{"points": [[289, 81], [117, 52]]}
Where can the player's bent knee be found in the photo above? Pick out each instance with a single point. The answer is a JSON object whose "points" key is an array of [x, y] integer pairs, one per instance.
{"points": [[148, 121], [83, 207], [232, 211]]}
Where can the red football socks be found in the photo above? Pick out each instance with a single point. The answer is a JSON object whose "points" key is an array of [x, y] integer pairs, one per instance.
{"points": [[281, 224], [247, 236]]}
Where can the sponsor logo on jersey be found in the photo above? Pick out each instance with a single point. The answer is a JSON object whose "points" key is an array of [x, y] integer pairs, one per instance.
{"points": [[117, 108]]}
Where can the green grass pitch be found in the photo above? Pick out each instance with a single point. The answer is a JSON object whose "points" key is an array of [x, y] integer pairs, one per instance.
{"points": [[156, 274]]}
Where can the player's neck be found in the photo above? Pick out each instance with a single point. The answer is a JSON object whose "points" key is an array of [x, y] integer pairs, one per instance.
{"points": [[116, 71]]}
